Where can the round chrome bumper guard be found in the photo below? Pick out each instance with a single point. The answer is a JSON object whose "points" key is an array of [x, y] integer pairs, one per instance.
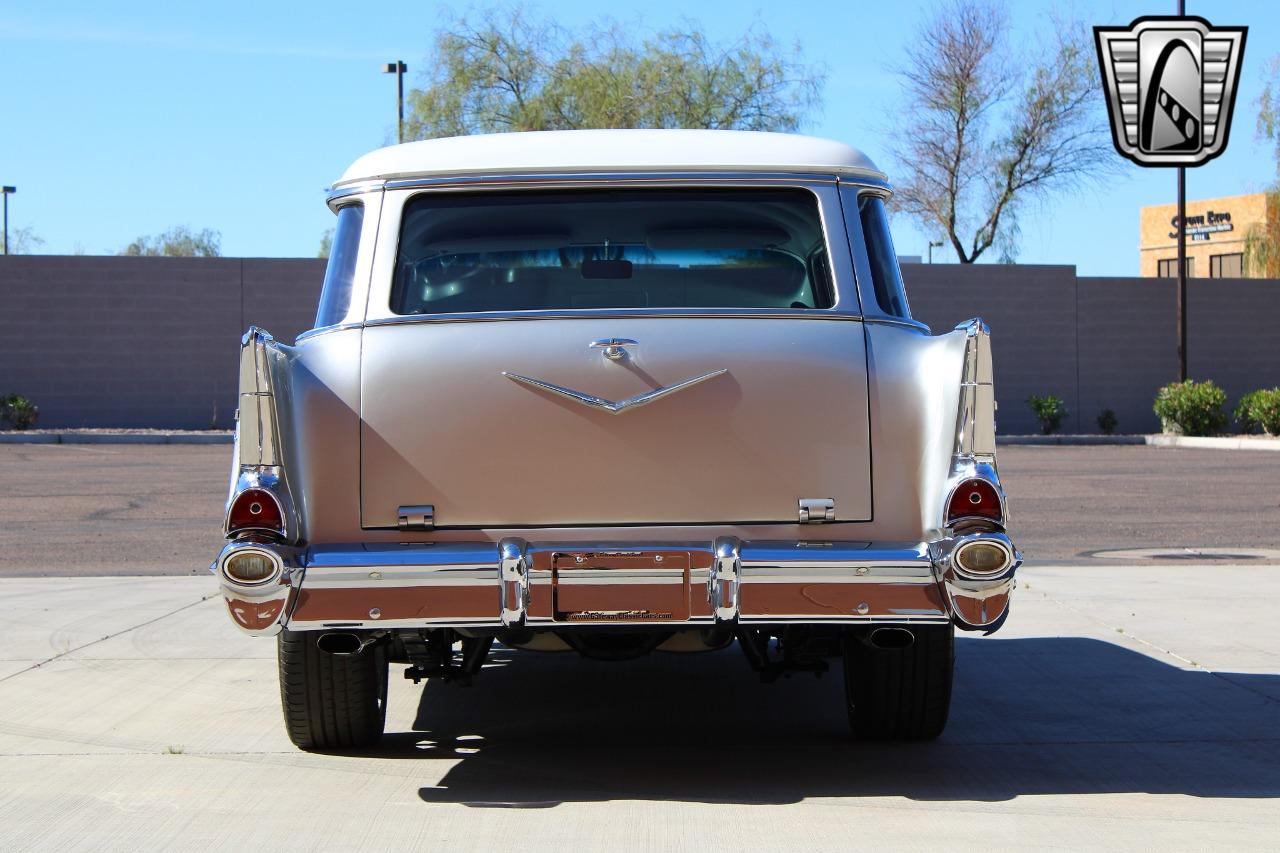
{"points": [[240, 566]]}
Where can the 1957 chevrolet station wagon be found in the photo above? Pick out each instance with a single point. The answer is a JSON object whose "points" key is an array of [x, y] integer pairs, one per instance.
{"points": [[612, 392]]}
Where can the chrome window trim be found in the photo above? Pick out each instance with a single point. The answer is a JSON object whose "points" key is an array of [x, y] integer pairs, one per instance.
{"points": [[906, 322], [324, 330], [336, 194], [826, 190]]}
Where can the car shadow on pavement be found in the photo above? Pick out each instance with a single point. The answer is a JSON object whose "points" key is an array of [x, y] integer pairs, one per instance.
{"points": [[1029, 716]]}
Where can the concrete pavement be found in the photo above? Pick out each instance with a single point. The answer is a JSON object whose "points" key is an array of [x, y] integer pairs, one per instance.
{"points": [[1132, 709]]}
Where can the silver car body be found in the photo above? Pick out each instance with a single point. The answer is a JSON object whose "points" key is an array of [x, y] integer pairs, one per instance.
{"points": [[675, 468]]}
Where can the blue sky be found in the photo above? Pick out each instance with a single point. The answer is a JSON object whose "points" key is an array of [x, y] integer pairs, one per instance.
{"points": [[123, 119]]}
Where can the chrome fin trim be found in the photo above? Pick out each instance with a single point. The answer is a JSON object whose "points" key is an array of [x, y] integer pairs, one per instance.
{"points": [[611, 406]]}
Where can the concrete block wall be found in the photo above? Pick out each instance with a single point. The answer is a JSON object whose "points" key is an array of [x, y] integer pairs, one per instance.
{"points": [[141, 342], [1103, 343], [1032, 314], [151, 342]]}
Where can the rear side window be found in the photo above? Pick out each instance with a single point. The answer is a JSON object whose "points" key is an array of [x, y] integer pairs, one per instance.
{"points": [[885, 274], [335, 298], [589, 249]]}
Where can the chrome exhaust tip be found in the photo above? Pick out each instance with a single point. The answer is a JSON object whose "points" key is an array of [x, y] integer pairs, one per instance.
{"points": [[341, 644], [891, 638]]}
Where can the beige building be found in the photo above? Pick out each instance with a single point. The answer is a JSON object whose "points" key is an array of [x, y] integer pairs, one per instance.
{"points": [[1216, 230]]}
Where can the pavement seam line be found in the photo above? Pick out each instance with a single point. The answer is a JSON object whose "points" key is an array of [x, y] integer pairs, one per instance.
{"points": [[121, 632], [1124, 632]]}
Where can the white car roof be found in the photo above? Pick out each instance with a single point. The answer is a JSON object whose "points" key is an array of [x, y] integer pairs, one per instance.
{"points": [[560, 151]]}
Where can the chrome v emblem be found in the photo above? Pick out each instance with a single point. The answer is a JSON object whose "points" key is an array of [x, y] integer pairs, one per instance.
{"points": [[613, 408]]}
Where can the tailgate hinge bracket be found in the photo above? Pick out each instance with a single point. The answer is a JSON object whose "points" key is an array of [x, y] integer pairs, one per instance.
{"points": [[416, 517], [817, 510]]}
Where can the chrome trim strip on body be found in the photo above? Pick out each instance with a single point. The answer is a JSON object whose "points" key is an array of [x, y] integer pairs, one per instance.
{"points": [[611, 406], [623, 313], [876, 180], [616, 314], [257, 431], [975, 420]]}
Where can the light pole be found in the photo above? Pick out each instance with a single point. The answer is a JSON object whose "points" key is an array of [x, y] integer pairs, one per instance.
{"points": [[398, 68], [932, 246], [1182, 256], [6, 192]]}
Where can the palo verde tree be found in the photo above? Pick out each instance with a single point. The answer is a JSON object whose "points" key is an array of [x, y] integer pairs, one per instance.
{"points": [[988, 125], [178, 242], [1262, 240], [509, 70]]}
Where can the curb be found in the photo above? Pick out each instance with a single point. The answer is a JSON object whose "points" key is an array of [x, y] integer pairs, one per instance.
{"points": [[1214, 443], [1160, 440], [115, 438], [1074, 440]]}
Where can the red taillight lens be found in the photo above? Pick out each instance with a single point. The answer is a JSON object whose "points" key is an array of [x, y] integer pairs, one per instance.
{"points": [[974, 498], [255, 509]]}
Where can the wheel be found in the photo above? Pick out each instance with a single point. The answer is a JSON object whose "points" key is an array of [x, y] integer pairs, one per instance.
{"points": [[331, 701], [897, 682]]}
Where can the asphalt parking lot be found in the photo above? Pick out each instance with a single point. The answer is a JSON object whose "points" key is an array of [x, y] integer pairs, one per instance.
{"points": [[98, 510], [1125, 704]]}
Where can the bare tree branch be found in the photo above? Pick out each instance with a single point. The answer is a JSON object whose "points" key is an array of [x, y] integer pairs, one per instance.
{"points": [[987, 127]]}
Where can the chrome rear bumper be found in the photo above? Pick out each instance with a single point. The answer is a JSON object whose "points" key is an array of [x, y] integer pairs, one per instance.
{"points": [[516, 583]]}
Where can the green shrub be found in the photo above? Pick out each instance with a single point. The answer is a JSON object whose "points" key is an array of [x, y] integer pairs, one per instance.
{"points": [[1259, 410], [1107, 422], [1191, 408], [1049, 410], [1245, 420], [18, 411]]}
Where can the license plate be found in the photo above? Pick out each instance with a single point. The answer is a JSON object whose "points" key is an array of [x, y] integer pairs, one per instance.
{"points": [[621, 586]]}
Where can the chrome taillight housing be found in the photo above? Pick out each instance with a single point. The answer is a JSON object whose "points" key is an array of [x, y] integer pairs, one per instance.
{"points": [[975, 499], [255, 510]]}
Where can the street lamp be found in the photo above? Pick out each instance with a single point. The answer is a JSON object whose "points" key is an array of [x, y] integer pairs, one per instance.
{"points": [[932, 246], [6, 192], [398, 68]]}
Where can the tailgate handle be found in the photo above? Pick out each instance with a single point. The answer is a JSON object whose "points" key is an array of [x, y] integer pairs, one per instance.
{"points": [[614, 347]]}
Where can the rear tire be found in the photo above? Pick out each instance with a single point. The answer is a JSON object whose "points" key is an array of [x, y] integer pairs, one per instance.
{"points": [[900, 693], [331, 702]]}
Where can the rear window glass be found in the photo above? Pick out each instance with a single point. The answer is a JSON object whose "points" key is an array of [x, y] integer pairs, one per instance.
{"points": [[584, 249], [885, 273], [339, 275]]}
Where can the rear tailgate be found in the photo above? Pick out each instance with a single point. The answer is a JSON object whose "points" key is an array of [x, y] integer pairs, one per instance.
{"points": [[442, 425]]}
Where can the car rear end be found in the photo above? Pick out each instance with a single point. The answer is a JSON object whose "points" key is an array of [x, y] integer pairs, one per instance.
{"points": [[613, 414]]}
